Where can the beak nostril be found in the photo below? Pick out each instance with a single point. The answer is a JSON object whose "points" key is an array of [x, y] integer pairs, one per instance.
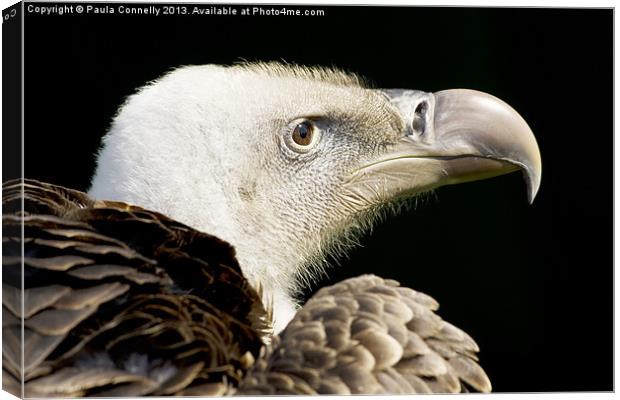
{"points": [[421, 108], [419, 118]]}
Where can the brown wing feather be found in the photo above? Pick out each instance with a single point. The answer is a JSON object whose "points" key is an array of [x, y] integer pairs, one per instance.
{"points": [[120, 300], [367, 335]]}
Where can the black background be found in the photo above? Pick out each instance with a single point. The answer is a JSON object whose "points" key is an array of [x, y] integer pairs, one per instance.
{"points": [[532, 284]]}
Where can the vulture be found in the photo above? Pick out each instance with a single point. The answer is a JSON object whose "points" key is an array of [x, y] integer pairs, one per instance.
{"points": [[219, 192]]}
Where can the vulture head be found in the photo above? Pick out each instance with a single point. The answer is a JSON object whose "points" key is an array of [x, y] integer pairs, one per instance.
{"points": [[289, 163]]}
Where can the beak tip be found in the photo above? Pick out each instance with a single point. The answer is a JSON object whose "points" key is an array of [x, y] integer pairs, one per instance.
{"points": [[531, 195], [532, 181]]}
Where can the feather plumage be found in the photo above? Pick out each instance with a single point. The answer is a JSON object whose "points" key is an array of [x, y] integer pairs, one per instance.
{"points": [[370, 346], [108, 281], [122, 301]]}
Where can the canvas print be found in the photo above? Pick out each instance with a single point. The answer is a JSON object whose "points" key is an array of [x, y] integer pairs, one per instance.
{"points": [[249, 199]]}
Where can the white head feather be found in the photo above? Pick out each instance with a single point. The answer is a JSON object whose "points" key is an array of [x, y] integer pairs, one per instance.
{"points": [[206, 145]]}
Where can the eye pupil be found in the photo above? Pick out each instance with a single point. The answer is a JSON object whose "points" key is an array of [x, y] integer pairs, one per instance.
{"points": [[303, 131], [302, 134]]}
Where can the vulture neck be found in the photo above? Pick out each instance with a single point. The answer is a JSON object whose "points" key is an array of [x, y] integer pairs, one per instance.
{"points": [[267, 257]]}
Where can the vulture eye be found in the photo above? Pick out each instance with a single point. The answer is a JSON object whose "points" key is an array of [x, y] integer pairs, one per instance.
{"points": [[303, 133]]}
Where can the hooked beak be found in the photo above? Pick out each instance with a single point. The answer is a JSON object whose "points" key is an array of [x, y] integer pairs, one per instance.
{"points": [[452, 136]]}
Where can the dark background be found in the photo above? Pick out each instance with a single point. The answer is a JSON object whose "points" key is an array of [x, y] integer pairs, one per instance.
{"points": [[532, 284]]}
